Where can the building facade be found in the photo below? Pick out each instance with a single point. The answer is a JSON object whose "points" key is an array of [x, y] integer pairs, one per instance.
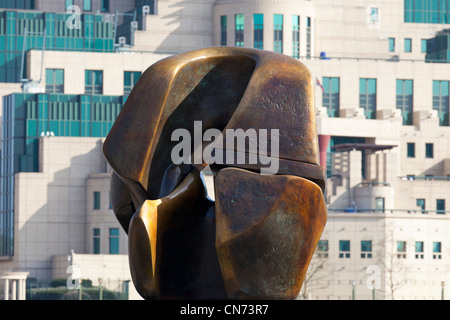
{"points": [[382, 76]]}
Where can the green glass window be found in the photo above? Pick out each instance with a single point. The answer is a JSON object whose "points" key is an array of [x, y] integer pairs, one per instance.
{"points": [[441, 100], [404, 99], [93, 82], [330, 95], [223, 30], [437, 250], [391, 44], [421, 203], [429, 150], [96, 241], [423, 45], [344, 249], [278, 33], [308, 36], [239, 20], [105, 5], [408, 45], [322, 249], [87, 5], [419, 250], [258, 31], [368, 97], [129, 80], [113, 241], [296, 37], [366, 249], [69, 3], [401, 246], [54, 80], [427, 11], [97, 199], [411, 150], [440, 206]]}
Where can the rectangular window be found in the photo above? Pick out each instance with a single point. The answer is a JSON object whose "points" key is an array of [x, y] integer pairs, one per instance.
{"points": [[54, 80], [93, 82], [258, 31], [419, 250], [401, 249], [421, 11], [368, 97], [278, 33], [429, 150], [344, 249], [437, 253], [421, 203], [411, 150], [96, 241], [113, 241], [441, 100], [379, 204], [391, 44], [408, 45], [322, 249], [239, 30], [97, 199], [105, 5], [423, 45], [223, 30], [69, 3], [129, 80], [308, 37], [404, 99], [87, 5], [440, 206], [330, 98], [296, 37], [366, 249]]}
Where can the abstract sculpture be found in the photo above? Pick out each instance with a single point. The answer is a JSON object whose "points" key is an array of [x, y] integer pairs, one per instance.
{"points": [[255, 241]]}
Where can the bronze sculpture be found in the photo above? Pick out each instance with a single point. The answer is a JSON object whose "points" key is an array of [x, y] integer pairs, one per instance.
{"points": [[256, 240]]}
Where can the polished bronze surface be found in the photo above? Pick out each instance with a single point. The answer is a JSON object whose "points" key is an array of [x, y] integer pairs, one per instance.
{"points": [[181, 244]]}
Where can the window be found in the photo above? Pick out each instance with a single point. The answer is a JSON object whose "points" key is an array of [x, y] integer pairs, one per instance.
{"points": [[330, 98], [96, 241], [404, 100], [423, 45], [440, 206], [54, 80], [322, 249], [419, 11], [87, 5], [374, 19], [239, 30], [344, 249], [411, 150], [401, 249], [278, 33], [308, 37], [296, 37], [437, 253], [97, 199], [421, 203], [379, 204], [419, 250], [366, 249], [258, 31], [69, 3], [223, 30], [408, 45], [113, 241], [429, 150], [93, 81], [391, 44], [441, 101], [105, 5], [129, 80], [368, 97]]}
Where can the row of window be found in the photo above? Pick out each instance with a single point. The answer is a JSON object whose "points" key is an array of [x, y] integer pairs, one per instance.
{"points": [[404, 98], [407, 45], [432, 11], [54, 81], [113, 241], [87, 5], [411, 150], [366, 249], [258, 32]]}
